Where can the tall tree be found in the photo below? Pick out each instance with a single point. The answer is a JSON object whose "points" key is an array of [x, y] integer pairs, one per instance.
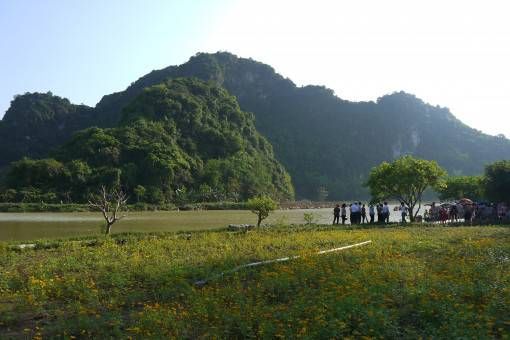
{"points": [[405, 179], [497, 181], [458, 187]]}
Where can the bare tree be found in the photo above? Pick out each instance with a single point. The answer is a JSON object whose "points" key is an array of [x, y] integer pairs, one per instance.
{"points": [[110, 204]]}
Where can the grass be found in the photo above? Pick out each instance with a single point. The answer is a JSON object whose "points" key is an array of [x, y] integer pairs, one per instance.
{"points": [[445, 282]]}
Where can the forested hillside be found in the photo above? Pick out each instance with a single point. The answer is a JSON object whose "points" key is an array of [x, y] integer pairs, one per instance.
{"points": [[179, 141], [328, 145], [38, 122]]}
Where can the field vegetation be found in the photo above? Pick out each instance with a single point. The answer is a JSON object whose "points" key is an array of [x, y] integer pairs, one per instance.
{"points": [[412, 282]]}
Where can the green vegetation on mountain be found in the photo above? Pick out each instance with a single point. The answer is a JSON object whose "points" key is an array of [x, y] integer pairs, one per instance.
{"points": [[328, 145], [183, 140], [36, 123]]}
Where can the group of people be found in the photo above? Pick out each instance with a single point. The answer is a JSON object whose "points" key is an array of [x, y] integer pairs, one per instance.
{"points": [[469, 213], [358, 213], [462, 211]]}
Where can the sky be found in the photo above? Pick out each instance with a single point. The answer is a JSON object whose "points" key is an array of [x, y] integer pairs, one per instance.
{"points": [[450, 53]]}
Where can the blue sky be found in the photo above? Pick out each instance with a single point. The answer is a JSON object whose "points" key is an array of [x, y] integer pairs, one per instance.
{"points": [[85, 49], [449, 53]]}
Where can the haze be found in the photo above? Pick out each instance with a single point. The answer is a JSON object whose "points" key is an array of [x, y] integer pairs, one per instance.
{"points": [[453, 54]]}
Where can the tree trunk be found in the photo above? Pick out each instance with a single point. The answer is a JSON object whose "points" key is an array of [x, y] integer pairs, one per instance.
{"points": [[108, 228], [259, 220], [411, 215]]}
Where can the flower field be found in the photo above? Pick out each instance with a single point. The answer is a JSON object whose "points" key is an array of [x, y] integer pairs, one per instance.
{"points": [[410, 282]]}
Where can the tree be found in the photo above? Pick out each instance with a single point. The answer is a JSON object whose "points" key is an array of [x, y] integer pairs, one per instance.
{"points": [[110, 203], [139, 191], [497, 181], [458, 187], [261, 206], [405, 179]]}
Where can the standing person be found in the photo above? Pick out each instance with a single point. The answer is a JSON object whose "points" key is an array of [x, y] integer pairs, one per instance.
{"points": [[351, 218], [359, 212], [371, 212], [344, 213], [403, 212], [336, 214], [468, 213], [379, 213], [354, 213], [386, 213], [454, 213], [364, 214]]}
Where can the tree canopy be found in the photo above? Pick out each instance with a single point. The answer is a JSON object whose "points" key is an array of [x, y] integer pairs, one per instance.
{"points": [[261, 206], [497, 181], [405, 179], [457, 187]]}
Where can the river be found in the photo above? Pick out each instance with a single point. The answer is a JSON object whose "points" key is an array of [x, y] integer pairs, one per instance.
{"points": [[29, 226]]}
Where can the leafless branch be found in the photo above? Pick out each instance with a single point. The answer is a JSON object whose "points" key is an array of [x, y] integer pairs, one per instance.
{"points": [[110, 205]]}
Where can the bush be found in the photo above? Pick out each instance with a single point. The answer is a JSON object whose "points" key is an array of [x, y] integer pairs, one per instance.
{"points": [[261, 206]]}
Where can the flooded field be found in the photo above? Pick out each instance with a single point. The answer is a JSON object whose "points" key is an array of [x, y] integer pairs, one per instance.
{"points": [[28, 226]]}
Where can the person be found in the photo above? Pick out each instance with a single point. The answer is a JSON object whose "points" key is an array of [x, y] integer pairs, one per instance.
{"points": [[355, 213], [454, 213], [379, 213], [364, 214], [443, 215], [468, 213], [336, 214], [403, 212], [344, 213], [386, 213], [426, 216], [433, 213], [371, 212]]}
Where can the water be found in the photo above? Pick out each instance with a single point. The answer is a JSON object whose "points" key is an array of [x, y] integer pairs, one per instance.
{"points": [[29, 226]]}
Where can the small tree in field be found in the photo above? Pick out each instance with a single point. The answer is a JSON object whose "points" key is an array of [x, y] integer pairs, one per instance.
{"points": [[261, 206], [110, 204], [405, 179]]}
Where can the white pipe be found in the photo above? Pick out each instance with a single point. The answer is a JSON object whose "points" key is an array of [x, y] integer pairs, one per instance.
{"points": [[283, 259]]}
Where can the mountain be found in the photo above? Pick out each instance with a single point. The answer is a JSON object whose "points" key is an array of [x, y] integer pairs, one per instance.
{"points": [[327, 144], [181, 140], [38, 122]]}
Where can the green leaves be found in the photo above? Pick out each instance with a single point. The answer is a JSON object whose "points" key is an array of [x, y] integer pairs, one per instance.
{"points": [[261, 206], [405, 179], [497, 181], [175, 136], [458, 187]]}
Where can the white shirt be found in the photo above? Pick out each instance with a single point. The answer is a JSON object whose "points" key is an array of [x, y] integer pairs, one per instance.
{"points": [[385, 209], [354, 208]]}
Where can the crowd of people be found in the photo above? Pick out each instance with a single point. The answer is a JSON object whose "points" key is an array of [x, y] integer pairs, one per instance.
{"points": [[462, 211], [468, 212], [359, 214]]}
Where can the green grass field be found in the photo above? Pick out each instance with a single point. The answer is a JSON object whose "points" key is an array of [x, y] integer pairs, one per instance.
{"points": [[440, 282]]}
